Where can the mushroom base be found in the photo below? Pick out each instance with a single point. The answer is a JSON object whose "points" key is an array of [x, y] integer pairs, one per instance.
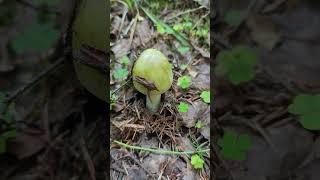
{"points": [[153, 102]]}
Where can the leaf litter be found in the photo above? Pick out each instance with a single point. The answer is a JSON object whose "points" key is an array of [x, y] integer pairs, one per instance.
{"points": [[133, 124], [280, 33]]}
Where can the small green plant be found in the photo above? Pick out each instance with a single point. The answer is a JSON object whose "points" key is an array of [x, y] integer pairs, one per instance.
{"points": [[113, 100], [197, 162], [183, 107], [125, 60], [183, 49], [120, 73], [205, 95], [184, 82], [183, 66], [236, 64], [234, 18], [36, 37], [234, 147], [308, 109], [199, 125]]}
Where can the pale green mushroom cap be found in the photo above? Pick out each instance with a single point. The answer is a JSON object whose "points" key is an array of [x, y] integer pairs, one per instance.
{"points": [[153, 66]]}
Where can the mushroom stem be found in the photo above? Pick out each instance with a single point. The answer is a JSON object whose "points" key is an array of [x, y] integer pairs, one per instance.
{"points": [[153, 102]]}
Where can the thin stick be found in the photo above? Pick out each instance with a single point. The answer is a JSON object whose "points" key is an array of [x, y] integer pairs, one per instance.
{"points": [[34, 81], [160, 151]]}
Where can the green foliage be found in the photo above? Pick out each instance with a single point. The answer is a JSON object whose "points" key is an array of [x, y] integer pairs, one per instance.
{"points": [[46, 2], [183, 107], [308, 109], [234, 18], [184, 82], [113, 99], [164, 28], [125, 60], [197, 162], [183, 49], [120, 73], [130, 4], [205, 95], [234, 147], [183, 66], [198, 125], [202, 32], [236, 64], [37, 37]]}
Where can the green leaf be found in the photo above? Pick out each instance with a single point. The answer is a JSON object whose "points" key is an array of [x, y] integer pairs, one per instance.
{"points": [[197, 162], [183, 49], [166, 28], [199, 125], [234, 147], [184, 82], [236, 64], [205, 95], [125, 60], [161, 29], [234, 18], [183, 66], [178, 27], [183, 107], [120, 73], [187, 25], [37, 37], [307, 107]]}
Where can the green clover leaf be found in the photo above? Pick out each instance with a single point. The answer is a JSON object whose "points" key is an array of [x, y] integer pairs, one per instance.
{"points": [[184, 82], [120, 73], [198, 125], [36, 37], [234, 147], [183, 107], [308, 109], [197, 162], [205, 95], [237, 64], [234, 18]]}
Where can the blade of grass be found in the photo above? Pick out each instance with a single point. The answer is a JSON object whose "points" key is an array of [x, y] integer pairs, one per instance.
{"points": [[160, 151], [167, 28]]}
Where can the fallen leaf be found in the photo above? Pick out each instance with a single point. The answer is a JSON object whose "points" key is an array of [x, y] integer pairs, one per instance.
{"points": [[263, 31]]}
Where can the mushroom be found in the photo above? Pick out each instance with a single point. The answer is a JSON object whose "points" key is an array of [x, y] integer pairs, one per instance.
{"points": [[152, 76]]}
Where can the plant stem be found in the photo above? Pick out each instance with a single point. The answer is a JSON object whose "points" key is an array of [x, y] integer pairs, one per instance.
{"points": [[160, 151], [153, 102]]}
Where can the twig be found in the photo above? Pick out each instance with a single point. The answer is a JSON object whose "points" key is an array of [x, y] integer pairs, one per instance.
{"points": [[160, 151], [34, 81], [87, 159]]}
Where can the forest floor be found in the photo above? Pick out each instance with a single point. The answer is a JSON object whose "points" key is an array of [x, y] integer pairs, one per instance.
{"points": [[284, 35], [180, 30], [55, 129]]}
